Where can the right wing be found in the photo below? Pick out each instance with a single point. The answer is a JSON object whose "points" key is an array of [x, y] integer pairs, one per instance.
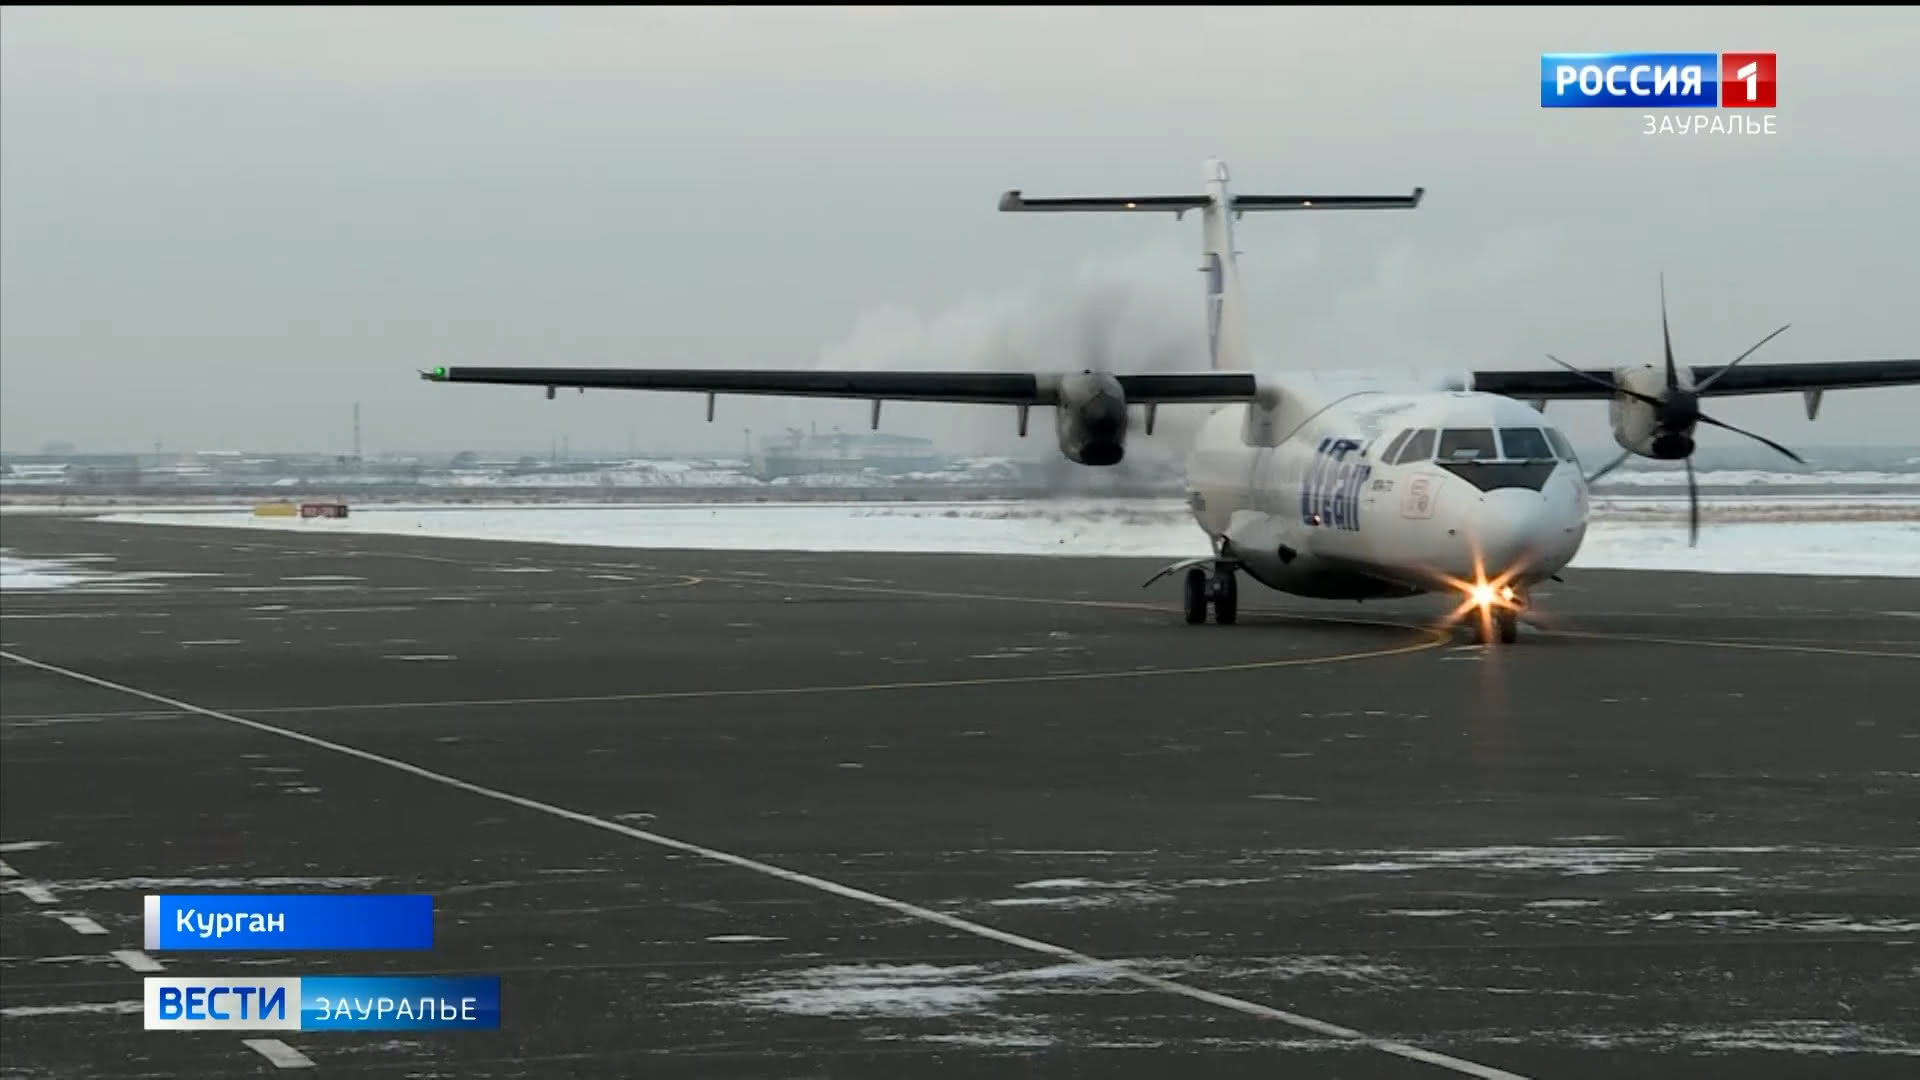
{"points": [[976, 387], [1813, 377]]}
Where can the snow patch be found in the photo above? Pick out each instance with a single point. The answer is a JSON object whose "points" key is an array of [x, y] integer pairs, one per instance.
{"points": [[1778, 536]]}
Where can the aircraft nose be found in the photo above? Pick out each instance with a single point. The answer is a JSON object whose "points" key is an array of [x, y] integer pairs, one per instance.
{"points": [[1508, 529]]}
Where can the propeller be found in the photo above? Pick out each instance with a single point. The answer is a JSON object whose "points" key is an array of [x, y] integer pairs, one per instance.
{"points": [[1676, 412], [1092, 331]]}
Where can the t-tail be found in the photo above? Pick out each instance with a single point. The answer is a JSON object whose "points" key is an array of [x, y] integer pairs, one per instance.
{"points": [[1227, 343]]}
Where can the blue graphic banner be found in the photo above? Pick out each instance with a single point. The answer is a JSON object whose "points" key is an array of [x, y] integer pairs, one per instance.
{"points": [[233, 922], [400, 1003], [322, 1003]]}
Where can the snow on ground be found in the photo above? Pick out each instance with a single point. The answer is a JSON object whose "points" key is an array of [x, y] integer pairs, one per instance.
{"points": [[19, 574], [1677, 477], [1866, 537], [37, 575]]}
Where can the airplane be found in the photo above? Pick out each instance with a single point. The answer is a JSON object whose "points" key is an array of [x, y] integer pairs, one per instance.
{"points": [[1344, 486]]}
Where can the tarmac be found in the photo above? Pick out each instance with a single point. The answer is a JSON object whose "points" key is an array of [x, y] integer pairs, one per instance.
{"points": [[764, 814]]}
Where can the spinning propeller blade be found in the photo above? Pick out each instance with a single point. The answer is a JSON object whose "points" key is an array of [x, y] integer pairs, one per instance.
{"points": [[1677, 410]]}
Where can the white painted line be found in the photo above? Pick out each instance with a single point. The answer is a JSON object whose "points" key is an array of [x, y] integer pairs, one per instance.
{"points": [[82, 924], [24, 845], [834, 888], [282, 1055], [145, 714], [137, 960], [37, 893], [7, 871], [78, 1009]]}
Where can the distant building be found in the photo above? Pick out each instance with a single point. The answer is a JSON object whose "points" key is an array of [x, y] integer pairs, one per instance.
{"points": [[800, 453]]}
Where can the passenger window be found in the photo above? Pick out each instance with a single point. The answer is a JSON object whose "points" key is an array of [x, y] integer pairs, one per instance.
{"points": [[1418, 448], [1467, 444], [1393, 447], [1525, 444], [1562, 447]]}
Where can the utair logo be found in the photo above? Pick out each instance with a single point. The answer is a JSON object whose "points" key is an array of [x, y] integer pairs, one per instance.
{"points": [[1675, 83], [1330, 490]]}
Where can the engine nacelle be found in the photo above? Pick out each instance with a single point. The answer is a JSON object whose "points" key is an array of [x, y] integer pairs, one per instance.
{"points": [[1091, 419], [1638, 426]]}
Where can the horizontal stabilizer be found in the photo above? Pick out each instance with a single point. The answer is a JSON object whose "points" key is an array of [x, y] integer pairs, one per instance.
{"points": [[1015, 202], [979, 387]]}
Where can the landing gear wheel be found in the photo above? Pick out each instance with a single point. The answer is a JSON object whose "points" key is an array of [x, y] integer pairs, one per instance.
{"points": [[1501, 626], [1196, 596], [1226, 597]]}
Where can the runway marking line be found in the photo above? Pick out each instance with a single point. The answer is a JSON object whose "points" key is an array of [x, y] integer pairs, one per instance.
{"points": [[6, 870], [1287, 615], [833, 888], [1433, 641], [1752, 645], [136, 960], [280, 1054]]}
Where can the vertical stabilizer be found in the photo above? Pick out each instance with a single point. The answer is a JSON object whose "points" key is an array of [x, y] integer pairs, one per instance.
{"points": [[1228, 346]]}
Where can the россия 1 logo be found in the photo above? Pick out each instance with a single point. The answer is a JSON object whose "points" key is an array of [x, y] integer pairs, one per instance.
{"points": [[1667, 81]]}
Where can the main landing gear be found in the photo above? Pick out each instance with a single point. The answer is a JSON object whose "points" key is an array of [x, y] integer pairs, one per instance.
{"points": [[1209, 580], [1221, 588]]}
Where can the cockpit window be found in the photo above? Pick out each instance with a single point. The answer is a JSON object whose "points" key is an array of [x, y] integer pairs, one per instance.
{"points": [[1562, 447], [1525, 444], [1393, 447], [1467, 444], [1417, 448]]}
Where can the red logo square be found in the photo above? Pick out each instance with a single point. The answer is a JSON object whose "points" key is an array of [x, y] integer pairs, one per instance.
{"points": [[1746, 80]]}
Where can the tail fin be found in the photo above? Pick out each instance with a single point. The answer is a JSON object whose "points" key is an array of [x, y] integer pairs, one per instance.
{"points": [[1227, 342], [1227, 345]]}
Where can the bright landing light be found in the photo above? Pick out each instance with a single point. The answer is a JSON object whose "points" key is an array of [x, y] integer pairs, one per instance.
{"points": [[1482, 595]]}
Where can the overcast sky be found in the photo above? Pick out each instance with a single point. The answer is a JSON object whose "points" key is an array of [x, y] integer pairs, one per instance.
{"points": [[221, 228]]}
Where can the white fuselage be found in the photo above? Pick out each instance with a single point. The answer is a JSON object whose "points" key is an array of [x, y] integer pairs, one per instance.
{"points": [[1320, 494]]}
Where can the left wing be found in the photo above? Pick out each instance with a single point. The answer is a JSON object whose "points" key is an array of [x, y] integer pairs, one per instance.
{"points": [[976, 387], [1556, 384]]}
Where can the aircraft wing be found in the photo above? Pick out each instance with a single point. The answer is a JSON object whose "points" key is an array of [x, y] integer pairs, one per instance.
{"points": [[978, 387], [1559, 384]]}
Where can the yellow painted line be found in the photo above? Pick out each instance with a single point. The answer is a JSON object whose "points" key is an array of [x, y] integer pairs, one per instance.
{"points": [[1430, 639], [1064, 601], [1753, 645]]}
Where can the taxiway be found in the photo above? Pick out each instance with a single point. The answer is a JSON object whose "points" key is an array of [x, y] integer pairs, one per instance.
{"points": [[731, 814]]}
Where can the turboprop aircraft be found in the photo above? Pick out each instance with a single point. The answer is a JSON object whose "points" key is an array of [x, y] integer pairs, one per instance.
{"points": [[1349, 486]]}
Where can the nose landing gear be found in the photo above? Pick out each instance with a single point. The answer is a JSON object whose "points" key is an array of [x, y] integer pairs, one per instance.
{"points": [[1501, 619]]}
